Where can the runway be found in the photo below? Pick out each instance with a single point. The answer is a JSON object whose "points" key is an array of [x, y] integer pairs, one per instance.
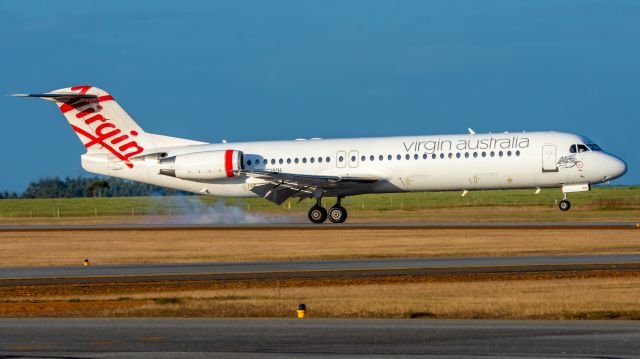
{"points": [[326, 226], [283, 338], [312, 269]]}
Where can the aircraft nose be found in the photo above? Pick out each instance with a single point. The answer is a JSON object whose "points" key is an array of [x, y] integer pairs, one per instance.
{"points": [[617, 167]]}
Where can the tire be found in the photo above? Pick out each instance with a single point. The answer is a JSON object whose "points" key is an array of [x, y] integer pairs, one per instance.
{"points": [[564, 205], [317, 214], [337, 214]]}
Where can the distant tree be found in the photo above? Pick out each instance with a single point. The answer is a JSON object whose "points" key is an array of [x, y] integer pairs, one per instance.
{"points": [[54, 187], [96, 187]]}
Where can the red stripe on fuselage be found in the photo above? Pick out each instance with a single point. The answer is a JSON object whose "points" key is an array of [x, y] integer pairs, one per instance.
{"points": [[228, 162]]}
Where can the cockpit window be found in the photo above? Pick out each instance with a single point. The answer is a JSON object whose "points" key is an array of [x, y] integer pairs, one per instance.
{"points": [[578, 148], [594, 147]]}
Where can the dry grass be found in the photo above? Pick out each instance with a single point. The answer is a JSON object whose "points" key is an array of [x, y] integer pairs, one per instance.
{"points": [[594, 298], [105, 247]]}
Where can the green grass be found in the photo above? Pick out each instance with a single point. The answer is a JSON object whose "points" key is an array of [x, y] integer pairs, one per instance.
{"points": [[603, 198], [171, 300]]}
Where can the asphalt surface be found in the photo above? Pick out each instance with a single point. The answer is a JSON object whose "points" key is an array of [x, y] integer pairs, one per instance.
{"points": [[284, 338], [337, 269], [302, 266], [328, 226]]}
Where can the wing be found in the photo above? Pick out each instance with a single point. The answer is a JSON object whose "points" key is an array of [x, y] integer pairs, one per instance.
{"points": [[277, 187]]}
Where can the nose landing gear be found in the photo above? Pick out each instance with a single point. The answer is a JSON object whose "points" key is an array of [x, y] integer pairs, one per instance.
{"points": [[564, 205], [336, 214]]}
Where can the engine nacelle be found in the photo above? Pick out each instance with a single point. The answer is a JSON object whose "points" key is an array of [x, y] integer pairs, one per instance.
{"points": [[208, 165]]}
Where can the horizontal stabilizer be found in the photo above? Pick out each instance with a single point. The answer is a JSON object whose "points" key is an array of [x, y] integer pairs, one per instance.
{"points": [[61, 96]]}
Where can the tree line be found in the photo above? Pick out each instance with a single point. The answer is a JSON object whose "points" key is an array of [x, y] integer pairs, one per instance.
{"points": [[69, 187]]}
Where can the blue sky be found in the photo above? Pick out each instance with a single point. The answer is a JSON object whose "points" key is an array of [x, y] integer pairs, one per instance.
{"points": [[260, 70]]}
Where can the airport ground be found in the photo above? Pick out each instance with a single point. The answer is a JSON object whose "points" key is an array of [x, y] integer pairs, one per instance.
{"points": [[612, 293]]}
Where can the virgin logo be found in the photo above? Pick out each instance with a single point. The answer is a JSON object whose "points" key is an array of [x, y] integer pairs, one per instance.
{"points": [[106, 134]]}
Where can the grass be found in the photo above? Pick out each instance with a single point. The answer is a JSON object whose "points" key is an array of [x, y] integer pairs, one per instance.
{"points": [[572, 298], [600, 198], [171, 300], [216, 245]]}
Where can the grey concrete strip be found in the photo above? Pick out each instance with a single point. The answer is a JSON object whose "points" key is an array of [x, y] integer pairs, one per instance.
{"points": [[326, 226], [281, 338], [298, 266]]}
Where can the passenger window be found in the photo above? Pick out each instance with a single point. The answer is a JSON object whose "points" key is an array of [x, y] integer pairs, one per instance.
{"points": [[466, 155], [249, 163], [319, 159], [340, 159], [264, 161], [475, 154], [381, 157], [280, 161], [312, 159], [407, 156], [441, 155], [389, 157], [296, 160], [433, 156], [362, 158], [415, 157], [328, 159], [458, 155], [425, 156], [484, 154], [398, 157], [371, 158], [450, 155], [273, 161], [288, 160], [493, 154], [304, 160], [353, 158], [509, 153], [518, 153]]}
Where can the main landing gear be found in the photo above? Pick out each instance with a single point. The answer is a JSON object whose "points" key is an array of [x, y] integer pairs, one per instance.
{"points": [[336, 214]]}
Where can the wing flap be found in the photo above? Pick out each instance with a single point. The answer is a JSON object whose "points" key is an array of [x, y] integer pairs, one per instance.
{"points": [[278, 186]]}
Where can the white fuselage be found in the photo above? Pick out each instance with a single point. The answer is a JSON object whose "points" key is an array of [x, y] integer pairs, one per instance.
{"points": [[413, 163]]}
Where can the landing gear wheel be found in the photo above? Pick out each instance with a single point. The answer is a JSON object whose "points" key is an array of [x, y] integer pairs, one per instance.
{"points": [[564, 205], [337, 214], [317, 214]]}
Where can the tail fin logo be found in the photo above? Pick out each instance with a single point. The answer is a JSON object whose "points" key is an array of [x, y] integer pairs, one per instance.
{"points": [[106, 134]]}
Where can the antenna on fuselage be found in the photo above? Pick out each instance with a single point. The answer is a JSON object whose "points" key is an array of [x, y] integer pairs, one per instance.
{"points": [[471, 131]]}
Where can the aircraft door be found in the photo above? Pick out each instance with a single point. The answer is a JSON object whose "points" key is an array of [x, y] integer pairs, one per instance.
{"points": [[341, 159], [353, 159], [549, 163]]}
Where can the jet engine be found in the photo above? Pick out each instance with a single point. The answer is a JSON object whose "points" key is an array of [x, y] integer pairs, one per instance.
{"points": [[210, 165]]}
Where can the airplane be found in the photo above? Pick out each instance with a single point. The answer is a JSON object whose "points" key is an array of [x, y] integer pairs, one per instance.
{"points": [[319, 168]]}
